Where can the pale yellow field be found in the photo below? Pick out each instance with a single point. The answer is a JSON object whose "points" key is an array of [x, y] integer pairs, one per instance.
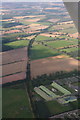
{"points": [[33, 20], [48, 35], [53, 20]]}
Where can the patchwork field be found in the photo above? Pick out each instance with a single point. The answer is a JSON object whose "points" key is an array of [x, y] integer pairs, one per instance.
{"points": [[61, 43], [53, 64]]}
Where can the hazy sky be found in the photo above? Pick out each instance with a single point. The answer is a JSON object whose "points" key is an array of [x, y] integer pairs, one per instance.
{"points": [[30, 0]]}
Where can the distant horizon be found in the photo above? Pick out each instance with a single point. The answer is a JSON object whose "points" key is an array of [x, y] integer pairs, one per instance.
{"points": [[31, 1]]}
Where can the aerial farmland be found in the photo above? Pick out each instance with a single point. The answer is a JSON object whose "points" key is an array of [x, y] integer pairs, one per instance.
{"points": [[40, 60]]}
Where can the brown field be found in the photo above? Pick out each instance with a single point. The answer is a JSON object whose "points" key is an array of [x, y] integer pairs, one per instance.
{"points": [[48, 35], [15, 77], [54, 8], [53, 64], [33, 20], [11, 31], [53, 20], [4, 10], [37, 26], [33, 27], [14, 68], [75, 35], [63, 23], [21, 17], [19, 26], [6, 20], [14, 55]]}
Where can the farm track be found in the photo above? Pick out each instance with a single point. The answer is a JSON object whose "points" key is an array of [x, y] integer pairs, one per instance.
{"points": [[28, 78], [28, 74]]}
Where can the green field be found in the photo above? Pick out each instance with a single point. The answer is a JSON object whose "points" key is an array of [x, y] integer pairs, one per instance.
{"points": [[39, 51], [42, 38], [68, 50], [70, 30], [45, 23], [59, 108], [61, 43], [16, 102], [17, 44]]}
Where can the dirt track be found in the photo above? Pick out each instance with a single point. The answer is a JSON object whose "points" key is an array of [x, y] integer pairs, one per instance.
{"points": [[53, 64]]}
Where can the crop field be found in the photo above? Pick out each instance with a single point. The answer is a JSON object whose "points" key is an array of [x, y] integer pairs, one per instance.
{"points": [[16, 102], [70, 49], [15, 34], [14, 77], [61, 43], [59, 108], [39, 51], [50, 35], [67, 28], [37, 26], [52, 65], [14, 68], [42, 38], [17, 44], [61, 89], [45, 23], [14, 55], [50, 93], [54, 20]]}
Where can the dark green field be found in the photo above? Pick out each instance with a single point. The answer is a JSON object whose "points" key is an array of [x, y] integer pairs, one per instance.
{"points": [[16, 102], [58, 108], [39, 51]]}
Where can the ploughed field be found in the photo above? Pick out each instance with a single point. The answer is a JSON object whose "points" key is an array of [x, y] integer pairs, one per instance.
{"points": [[53, 64], [14, 63]]}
